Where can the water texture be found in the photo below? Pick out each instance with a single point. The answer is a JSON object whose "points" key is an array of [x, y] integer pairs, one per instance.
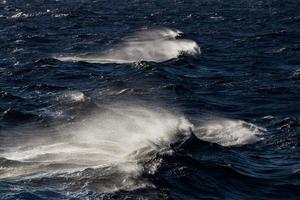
{"points": [[148, 99]]}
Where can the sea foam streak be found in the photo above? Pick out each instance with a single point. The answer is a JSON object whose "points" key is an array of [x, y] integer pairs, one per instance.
{"points": [[157, 45]]}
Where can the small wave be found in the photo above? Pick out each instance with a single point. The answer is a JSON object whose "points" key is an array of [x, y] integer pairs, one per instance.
{"points": [[72, 96], [228, 132], [53, 13], [8, 96], [217, 18], [20, 14], [12, 115], [63, 104], [296, 74], [157, 45]]}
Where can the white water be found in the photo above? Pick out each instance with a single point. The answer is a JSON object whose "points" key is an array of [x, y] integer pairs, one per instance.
{"points": [[114, 137], [229, 132], [155, 45], [114, 143], [74, 96]]}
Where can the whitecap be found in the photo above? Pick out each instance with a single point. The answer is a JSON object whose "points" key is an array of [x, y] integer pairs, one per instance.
{"points": [[72, 96], [229, 132], [20, 14], [157, 45], [118, 139], [296, 74]]}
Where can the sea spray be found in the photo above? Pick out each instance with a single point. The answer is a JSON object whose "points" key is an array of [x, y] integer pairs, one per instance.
{"points": [[157, 45]]}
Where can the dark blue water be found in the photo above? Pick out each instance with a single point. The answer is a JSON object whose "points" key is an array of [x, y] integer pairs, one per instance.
{"points": [[113, 99]]}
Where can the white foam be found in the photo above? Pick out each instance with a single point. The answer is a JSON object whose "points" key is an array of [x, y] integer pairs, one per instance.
{"points": [[229, 132], [72, 96], [19, 14], [116, 141], [157, 45], [115, 137]]}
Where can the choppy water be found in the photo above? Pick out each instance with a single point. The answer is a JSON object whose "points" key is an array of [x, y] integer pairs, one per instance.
{"points": [[150, 99]]}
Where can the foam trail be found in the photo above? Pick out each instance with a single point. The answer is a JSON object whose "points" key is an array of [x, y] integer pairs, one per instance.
{"points": [[157, 45], [229, 132]]}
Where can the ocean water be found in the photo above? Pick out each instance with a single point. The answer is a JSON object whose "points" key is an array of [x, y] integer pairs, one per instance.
{"points": [[149, 99]]}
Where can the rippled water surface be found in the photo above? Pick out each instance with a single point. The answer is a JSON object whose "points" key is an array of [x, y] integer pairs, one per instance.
{"points": [[148, 99]]}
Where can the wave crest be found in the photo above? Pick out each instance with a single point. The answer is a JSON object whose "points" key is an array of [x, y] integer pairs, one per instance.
{"points": [[115, 147], [115, 141], [157, 45], [229, 132]]}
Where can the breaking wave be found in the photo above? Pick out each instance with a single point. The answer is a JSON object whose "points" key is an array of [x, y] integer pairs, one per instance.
{"points": [[113, 145], [157, 45], [113, 139], [229, 132]]}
